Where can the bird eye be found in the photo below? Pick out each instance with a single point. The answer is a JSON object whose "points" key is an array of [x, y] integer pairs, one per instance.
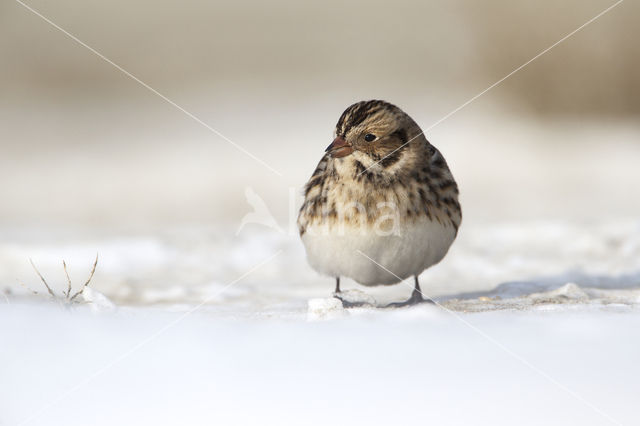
{"points": [[369, 137]]}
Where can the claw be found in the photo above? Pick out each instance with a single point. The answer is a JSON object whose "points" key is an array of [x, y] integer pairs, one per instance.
{"points": [[415, 299]]}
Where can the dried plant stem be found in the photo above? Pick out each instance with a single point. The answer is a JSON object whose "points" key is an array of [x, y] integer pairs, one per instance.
{"points": [[42, 278], [68, 292], [93, 270]]}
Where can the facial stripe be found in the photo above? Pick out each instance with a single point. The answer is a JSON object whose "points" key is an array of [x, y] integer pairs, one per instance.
{"points": [[401, 134], [393, 158]]}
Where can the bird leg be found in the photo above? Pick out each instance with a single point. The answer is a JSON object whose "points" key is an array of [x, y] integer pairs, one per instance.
{"points": [[416, 297]]}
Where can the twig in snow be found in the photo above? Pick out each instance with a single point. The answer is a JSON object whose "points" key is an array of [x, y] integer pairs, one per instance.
{"points": [[42, 278], [93, 270], [66, 295], [68, 292]]}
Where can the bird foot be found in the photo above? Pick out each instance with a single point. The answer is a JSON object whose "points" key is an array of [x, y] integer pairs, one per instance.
{"points": [[353, 299], [415, 299]]}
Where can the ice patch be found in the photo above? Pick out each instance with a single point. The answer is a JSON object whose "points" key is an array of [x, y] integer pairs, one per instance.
{"points": [[565, 297], [357, 298], [568, 292], [325, 308], [96, 300]]}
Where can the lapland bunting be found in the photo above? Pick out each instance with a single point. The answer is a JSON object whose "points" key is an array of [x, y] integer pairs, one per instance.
{"points": [[382, 205]]}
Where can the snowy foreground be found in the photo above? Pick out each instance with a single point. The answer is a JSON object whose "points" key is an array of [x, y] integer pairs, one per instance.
{"points": [[416, 366], [196, 326]]}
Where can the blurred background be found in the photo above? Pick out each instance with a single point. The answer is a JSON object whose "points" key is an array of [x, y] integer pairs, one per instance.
{"points": [[86, 150], [83, 143]]}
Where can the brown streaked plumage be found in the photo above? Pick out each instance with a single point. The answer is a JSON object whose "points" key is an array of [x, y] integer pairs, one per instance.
{"points": [[381, 190]]}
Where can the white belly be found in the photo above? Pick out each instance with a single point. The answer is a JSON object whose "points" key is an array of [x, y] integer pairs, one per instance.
{"points": [[410, 250]]}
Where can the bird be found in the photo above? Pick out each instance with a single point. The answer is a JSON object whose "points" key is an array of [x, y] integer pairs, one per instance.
{"points": [[382, 205]]}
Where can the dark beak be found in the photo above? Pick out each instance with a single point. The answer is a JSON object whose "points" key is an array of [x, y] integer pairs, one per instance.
{"points": [[339, 148]]}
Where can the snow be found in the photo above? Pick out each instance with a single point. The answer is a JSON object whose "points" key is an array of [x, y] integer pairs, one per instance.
{"points": [[411, 366], [96, 300]]}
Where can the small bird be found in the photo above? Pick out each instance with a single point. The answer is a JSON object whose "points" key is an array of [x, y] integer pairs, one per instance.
{"points": [[382, 205]]}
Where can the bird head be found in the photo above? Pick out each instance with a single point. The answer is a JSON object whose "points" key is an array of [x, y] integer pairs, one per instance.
{"points": [[375, 128]]}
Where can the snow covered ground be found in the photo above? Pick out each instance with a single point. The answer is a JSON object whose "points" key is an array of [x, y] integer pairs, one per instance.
{"points": [[415, 366]]}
